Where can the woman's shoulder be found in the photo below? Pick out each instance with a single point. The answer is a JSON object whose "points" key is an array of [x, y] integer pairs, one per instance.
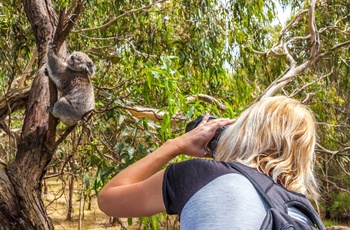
{"points": [[200, 163], [218, 165], [182, 180], [199, 167]]}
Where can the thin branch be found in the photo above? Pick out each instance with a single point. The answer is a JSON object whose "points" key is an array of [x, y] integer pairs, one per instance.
{"points": [[330, 51], [108, 24], [151, 113], [315, 38], [13, 100], [2, 162], [138, 52], [103, 39], [278, 45], [85, 119], [52, 175], [21, 79], [338, 188], [110, 147], [7, 130], [333, 153], [209, 99], [310, 83], [290, 25], [63, 136], [157, 115]]}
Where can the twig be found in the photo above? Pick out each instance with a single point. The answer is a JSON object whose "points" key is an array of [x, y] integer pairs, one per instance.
{"points": [[63, 136]]}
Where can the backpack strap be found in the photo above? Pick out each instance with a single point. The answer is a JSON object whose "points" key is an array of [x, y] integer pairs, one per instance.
{"points": [[265, 183], [282, 198], [274, 194]]}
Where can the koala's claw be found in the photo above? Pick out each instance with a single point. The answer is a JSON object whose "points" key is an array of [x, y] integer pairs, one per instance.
{"points": [[49, 108], [46, 72], [52, 46]]}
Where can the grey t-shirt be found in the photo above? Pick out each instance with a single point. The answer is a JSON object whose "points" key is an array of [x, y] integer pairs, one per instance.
{"points": [[209, 194]]}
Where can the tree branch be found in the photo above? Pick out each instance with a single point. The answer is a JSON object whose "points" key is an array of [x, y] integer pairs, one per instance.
{"points": [[13, 100], [295, 92], [157, 115], [108, 24], [209, 99], [333, 153], [2, 162], [330, 51], [66, 22], [274, 50], [340, 189], [21, 79], [150, 113], [294, 69]]}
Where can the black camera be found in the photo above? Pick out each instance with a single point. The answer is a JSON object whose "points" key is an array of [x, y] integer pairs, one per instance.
{"points": [[214, 141]]}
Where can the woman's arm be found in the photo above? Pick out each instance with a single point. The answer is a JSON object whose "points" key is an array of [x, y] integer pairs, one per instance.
{"points": [[137, 190]]}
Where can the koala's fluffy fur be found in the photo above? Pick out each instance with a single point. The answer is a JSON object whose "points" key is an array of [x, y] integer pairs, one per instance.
{"points": [[73, 81]]}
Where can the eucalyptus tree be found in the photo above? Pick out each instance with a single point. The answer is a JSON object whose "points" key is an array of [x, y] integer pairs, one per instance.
{"points": [[160, 63], [310, 61]]}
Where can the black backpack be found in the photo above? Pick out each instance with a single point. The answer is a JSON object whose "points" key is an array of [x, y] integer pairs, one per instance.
{"points": [[279, 199]]}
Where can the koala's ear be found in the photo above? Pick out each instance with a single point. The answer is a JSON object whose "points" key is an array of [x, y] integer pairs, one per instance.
{"points": [[90, 68]]}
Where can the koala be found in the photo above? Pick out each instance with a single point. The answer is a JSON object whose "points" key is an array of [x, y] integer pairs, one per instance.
{"points": [[73, 81]]}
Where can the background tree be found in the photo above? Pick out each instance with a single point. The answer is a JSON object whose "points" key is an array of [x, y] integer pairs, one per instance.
{"points": [[160, 64]]}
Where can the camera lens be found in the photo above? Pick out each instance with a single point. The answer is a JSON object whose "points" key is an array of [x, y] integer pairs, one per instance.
{"points": [[213, 142]]}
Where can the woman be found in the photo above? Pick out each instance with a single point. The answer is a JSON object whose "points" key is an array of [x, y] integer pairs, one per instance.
{"points": [[275, 136]]}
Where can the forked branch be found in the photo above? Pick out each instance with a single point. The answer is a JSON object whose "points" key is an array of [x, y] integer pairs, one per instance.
{"points": [[66, 21], [295, 69]]}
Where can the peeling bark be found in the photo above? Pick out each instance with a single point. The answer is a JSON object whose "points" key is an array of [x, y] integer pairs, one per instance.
{"points": [[21, 205]]}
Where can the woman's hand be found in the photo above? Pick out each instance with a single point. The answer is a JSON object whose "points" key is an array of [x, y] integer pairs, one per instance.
{"points": [[194, 143]]}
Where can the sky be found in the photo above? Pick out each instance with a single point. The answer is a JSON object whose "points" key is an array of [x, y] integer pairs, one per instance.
{"points": [[283, 14]]}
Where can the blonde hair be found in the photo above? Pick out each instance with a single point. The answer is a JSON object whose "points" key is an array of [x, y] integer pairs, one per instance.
{"points": [[276, 136]]}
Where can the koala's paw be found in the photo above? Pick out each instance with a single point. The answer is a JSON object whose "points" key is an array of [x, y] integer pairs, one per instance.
{"points": [[46, 72], [52, 46], [49, 108]]}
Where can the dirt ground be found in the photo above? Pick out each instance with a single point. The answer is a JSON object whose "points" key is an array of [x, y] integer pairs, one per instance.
{"points": [[56, 201]]}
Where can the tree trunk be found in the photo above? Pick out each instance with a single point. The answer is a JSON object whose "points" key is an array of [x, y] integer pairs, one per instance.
{"points": [[22, 178], [21, 205]]}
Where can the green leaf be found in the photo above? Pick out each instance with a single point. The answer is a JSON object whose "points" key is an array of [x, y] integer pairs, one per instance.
{"points": [[87, 180]]}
